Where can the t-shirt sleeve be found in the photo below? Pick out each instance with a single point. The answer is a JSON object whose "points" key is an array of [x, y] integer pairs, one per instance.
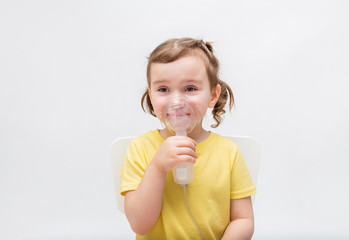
{"points": [[241, 184], [133, 168]]}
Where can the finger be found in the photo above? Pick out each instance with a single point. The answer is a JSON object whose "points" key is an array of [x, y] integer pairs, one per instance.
{"points": [[186, 158], [185, 138], [186, 143], [193, 141], [187, 151]]}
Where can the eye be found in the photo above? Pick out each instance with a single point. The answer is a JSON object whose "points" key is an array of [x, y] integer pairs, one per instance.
{"points": [[163, 89], [191, 89]]}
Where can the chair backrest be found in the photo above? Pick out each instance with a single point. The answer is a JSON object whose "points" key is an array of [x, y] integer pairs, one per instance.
{"points": [[248, 146]]}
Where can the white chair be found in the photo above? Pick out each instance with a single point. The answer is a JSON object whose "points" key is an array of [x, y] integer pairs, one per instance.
{"points": [[248, 146]]}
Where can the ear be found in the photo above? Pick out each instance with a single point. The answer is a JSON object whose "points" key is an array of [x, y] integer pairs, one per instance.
{"points": [[216, 92]]}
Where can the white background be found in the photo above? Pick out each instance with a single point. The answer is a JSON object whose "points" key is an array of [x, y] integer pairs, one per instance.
{"points": [[72, 74]]}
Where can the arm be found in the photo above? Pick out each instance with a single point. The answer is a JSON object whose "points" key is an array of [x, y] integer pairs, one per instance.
{"points": [[241, 226], [143, 206]]}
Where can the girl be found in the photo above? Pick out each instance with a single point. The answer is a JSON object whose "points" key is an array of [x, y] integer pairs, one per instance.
{"points": [[219, 195]]}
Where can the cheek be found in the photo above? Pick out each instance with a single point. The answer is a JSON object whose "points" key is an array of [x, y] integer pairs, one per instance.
{"points": [[201, 103], [199, 109], [159, 109]]}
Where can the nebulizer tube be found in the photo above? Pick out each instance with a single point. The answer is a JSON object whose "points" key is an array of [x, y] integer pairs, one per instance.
{"points": [[181, 119]]}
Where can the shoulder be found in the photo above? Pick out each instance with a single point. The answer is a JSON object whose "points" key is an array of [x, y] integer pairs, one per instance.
{"points": [[225, 144], [152, 135], [146, 139], [224, 141]]}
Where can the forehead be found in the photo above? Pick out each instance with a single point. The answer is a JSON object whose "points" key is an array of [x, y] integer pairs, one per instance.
{"points": [[184, 68]]}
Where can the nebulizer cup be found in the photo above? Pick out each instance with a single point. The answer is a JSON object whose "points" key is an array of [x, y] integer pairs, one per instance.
{"points": [[181, 119]]}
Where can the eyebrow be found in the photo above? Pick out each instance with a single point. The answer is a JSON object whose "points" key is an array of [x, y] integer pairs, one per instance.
{"points": [[161, 81], [193, 80]]}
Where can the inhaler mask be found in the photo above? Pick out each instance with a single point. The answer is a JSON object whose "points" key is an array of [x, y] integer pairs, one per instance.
{"points": [[181, 119]]}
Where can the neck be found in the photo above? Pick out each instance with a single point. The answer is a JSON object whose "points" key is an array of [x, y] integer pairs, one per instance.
{"points": [[198, 134]]}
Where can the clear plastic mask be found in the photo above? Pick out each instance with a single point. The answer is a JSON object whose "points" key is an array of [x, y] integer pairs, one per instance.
{"points": [[182, 115]]}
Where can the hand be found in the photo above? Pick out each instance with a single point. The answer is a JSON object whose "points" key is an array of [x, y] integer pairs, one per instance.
{"points": [[173, 151]]}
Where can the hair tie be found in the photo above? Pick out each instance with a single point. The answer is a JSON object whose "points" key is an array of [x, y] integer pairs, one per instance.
{"points": [[209, 46]]}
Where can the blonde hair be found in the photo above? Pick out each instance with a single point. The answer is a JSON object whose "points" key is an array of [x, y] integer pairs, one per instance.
{"points": [[173, 49]]}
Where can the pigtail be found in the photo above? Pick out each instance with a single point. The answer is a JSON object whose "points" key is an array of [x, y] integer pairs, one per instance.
{"points": [[226, 92], [225, 96], [146, 101]]}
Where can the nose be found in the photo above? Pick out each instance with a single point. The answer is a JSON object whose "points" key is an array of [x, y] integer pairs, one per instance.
{"points": [[177, 102]]}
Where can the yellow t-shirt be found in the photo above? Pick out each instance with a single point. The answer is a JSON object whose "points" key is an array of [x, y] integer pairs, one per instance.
{"points": [[220, 174]]}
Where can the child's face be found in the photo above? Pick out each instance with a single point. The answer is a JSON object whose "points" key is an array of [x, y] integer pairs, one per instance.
{"points": [[184, 77]]}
